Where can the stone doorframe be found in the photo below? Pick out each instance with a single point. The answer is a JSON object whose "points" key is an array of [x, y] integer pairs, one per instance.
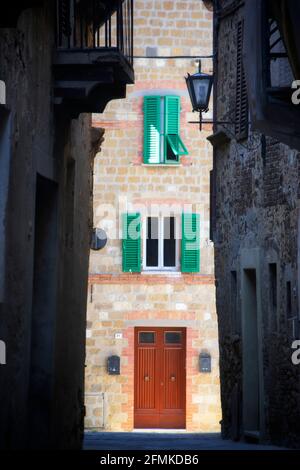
{"points": [[250, 259]]}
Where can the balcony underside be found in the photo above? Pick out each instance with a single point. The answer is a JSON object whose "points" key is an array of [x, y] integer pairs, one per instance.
{"points": [[87, 79]]}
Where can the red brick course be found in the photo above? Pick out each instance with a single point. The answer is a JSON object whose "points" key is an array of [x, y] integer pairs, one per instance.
{"points": [[151, 279]]}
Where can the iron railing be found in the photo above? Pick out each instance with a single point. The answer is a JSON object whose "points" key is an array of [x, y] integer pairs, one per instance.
{"points": [[96, 24]]}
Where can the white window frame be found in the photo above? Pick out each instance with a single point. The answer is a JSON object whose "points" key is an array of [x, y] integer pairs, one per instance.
{"points": [[162, 131], [160, 267]]}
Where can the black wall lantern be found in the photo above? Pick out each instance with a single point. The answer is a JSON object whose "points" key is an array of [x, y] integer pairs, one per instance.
{"points": [[199, 87]]}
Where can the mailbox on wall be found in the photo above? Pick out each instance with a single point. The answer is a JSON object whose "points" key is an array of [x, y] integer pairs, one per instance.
{"points": [[113, 365], [205, 362]]}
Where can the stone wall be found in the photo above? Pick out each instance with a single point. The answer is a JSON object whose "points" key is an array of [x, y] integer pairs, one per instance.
{"points": [[257, 189], [47, 233], [118, 302]]}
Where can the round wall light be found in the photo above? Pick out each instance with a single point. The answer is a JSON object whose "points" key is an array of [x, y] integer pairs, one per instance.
{"points": [[99, 239]]}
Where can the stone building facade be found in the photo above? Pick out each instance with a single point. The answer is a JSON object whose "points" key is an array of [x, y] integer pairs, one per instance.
{"points": [[47, 151], [120, 302], [256, 236]]}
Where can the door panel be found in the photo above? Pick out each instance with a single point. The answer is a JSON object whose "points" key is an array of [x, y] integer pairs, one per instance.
{"points": [[160, 378], [146, 366], [173, 393]]}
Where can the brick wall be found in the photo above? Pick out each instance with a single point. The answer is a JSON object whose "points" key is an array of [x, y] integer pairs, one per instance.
{"points": [[178, 303], [118, 302]]}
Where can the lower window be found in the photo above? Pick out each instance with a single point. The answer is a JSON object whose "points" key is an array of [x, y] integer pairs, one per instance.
{"points": [[161, 247]]}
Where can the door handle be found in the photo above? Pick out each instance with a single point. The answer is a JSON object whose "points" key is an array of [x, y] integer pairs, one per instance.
{"points": [[173, 378], [146, 378]]}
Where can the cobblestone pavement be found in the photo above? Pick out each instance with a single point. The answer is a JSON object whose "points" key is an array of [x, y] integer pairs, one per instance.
{"points": [[165, 441]]}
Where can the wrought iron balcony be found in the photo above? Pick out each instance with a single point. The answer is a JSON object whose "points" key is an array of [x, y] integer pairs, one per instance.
{"points": [[271, 59], [94, 53]]}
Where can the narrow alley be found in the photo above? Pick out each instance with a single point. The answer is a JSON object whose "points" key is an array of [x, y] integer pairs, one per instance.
{"points": [[150, 226]]}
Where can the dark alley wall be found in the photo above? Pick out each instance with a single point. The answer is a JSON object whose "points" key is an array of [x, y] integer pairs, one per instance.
{"points": [[256, 234], [47, 219]]}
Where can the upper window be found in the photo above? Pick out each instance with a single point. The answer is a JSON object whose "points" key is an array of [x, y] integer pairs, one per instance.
{"points": [[162, 142]]}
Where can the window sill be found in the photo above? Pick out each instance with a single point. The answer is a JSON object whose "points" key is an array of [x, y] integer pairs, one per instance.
{"points": [[162, 272], [168, 165]]}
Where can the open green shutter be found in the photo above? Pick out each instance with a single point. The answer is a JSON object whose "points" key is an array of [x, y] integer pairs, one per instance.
{"points": [[152, 129], [174, 147], [190, 243], [131, 244]]}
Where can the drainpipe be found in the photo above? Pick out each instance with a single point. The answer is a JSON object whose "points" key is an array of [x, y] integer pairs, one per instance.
{"points": [[216, 9]]}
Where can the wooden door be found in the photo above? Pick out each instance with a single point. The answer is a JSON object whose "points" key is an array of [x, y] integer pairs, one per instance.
{"points": [[160, 378]]}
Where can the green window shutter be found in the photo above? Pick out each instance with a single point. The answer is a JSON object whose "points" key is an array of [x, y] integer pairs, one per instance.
{"points": [[152, 129], [190, 243], [173, 146], [176, 145], [172, 113], [131, 243], [241, 97]]}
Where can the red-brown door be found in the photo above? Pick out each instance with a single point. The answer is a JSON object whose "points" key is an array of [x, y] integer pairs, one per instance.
{"points": [[160, 378]]}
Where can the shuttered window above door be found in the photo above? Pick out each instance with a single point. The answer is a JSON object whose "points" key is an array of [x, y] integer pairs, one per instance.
{"points": [[161, 246]]}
